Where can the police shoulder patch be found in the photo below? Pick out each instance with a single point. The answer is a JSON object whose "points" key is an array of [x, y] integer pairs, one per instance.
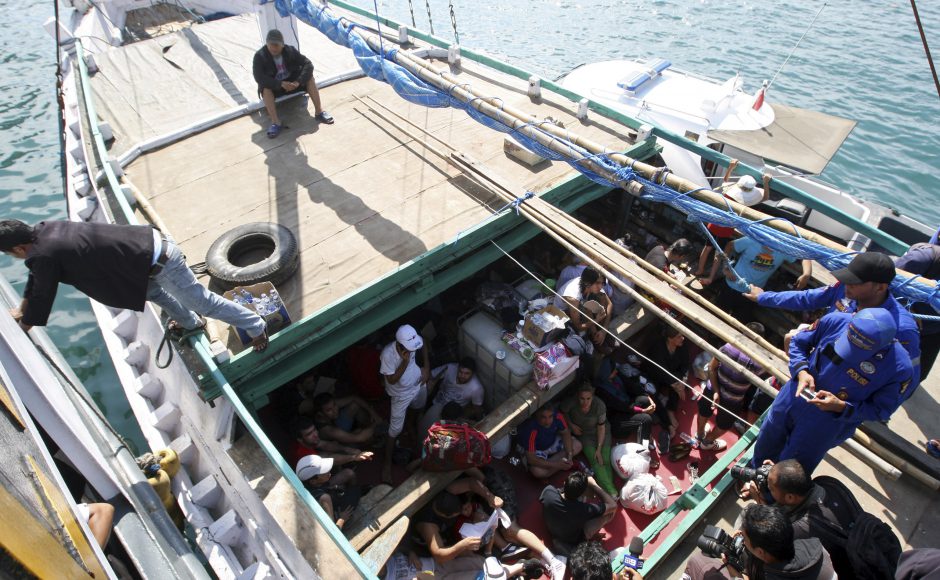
{"points": [[867, 367]]}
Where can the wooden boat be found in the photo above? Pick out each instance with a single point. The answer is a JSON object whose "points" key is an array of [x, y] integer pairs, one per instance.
{"points": [[392, 207]]}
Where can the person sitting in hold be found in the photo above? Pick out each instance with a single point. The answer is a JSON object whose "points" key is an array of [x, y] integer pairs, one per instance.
{"points": [[586, 288], [587, 418], [678, 252], [572, 514], [668, 368], [546, 442], [508, 542], [455, 383], [755, 263], [631, 408], [730, 394], [307, 442], [337, 500], [347, 420], [743, 191], [280, 69], [590, 561]]}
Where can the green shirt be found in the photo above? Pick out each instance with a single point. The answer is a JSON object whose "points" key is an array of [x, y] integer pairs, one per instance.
{"points": [[588, 422]]}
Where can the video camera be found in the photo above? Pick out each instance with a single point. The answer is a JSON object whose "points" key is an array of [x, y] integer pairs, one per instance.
{"points": [[714, 542], [759, 476]]}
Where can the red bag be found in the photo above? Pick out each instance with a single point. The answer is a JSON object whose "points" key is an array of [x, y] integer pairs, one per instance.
{"points": [[454, 446]]}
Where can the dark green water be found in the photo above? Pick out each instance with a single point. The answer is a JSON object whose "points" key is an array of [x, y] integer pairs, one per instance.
{"points": [[862, 60]]}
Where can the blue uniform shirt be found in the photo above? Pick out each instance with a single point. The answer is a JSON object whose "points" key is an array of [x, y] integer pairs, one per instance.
{"points": [[872, 390], [833, 298]]}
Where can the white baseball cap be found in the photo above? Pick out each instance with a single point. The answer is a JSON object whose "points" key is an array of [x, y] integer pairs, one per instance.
{"points": [[313, 465], [409, 337]]}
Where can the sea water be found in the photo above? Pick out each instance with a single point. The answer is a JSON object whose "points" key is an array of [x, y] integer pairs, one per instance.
{"points": [[861, 60]]}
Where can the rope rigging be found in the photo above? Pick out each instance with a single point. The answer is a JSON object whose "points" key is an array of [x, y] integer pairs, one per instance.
{"points": [[427, 4], [601, 168], [453, 22]]}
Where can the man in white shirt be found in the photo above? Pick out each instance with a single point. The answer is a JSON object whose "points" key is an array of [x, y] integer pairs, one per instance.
{"points": [[405, 383], [457, 383]]}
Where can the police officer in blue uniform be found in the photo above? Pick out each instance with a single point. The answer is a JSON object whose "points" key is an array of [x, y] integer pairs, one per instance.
{"points": [[844, 370], [863, 284]]}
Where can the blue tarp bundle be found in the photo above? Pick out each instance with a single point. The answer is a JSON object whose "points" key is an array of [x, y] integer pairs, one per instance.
{"points": [[414, 90]]}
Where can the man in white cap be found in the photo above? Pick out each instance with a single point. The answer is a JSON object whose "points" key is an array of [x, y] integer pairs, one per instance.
{"points": [[405, 383], [314, 472], [743, 191]]}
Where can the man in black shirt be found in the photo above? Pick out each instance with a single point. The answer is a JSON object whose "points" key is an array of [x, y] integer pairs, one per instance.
{"points": [[570, 520], [119, 266], [280, 69]]}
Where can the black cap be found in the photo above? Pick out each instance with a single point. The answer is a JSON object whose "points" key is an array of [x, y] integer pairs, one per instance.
{"points": [[275, 36], [867, 267]]}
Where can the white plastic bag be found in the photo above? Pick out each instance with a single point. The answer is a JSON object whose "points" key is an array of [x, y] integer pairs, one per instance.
{"points": [[630, 459], [644, 493], [501, 447]]}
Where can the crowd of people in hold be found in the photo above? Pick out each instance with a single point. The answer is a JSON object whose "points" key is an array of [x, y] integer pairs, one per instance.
{"points": [[859, 361]]}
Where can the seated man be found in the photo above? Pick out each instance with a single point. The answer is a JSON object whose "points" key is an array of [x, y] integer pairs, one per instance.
{"points": [[586, 288], [773, 553], [433, 534], [456, 383], [755, 263], [730, 393], [338, 501], [348, 420], [473, 487], [280, 69], [590, 561], [546, 442], [678, 252], [307, 442], [569, 518], [743, 191]]}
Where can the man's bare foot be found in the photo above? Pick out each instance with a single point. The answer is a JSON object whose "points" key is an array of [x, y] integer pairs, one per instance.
{"points": [[705, 281], [260, 342]]}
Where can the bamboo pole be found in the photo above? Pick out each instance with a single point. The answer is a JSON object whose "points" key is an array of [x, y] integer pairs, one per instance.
{"points": [[869, 456], [466, 164], [520, 120]]}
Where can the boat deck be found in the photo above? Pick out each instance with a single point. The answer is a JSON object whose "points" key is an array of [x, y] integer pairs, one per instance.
{"points": [[361, 196]]}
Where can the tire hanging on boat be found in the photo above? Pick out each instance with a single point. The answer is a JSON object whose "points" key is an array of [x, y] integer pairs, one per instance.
{"points": [[226, 257]]}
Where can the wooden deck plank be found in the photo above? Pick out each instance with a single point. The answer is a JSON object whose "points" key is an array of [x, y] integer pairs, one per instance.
{"points": [[417, 490]]}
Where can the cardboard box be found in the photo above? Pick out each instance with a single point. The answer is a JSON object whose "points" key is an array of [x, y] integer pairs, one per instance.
{"points": [[276, 321], [544, 326]]}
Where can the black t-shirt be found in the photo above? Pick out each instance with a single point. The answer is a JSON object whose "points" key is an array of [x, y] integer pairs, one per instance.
{"points": [[564, 518], [427, 515]]}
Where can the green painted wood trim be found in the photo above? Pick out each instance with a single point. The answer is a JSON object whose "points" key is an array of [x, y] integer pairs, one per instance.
{"points": [[337, 326], [890, 243], [247, 417], [98, 139], [697, 500]]}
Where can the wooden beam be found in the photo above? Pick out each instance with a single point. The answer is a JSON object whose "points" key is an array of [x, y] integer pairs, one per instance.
{"points": [[417, 490]]}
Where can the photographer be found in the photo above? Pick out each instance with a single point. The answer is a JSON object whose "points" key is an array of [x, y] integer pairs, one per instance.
{"points": [[769, 550], [793, 492]]}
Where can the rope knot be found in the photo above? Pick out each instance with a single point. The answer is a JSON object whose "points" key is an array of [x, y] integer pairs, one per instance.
{"points": [[520, 200]]}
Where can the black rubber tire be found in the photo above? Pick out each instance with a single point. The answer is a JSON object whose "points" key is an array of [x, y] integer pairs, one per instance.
{"points": [[224, 254]]}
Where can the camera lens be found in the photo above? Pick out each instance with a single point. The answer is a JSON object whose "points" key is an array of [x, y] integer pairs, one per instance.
{"points": [[743, 473]]}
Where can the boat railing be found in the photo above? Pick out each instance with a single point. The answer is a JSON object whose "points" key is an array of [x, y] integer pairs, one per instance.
{"points": [[203, 350], [886, 241]]}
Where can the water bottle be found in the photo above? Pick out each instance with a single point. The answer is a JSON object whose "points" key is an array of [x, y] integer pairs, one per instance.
{"points": [[246, 295], [264, 307], [275, 300], [689, 439]]}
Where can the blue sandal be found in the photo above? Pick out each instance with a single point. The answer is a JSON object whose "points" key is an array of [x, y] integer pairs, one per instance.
{"points": [[325, 117], [274, 130]]}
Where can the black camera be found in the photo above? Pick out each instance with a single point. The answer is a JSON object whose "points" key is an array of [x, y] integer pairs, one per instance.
{"points": [[714, 542], [759, 476]]}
